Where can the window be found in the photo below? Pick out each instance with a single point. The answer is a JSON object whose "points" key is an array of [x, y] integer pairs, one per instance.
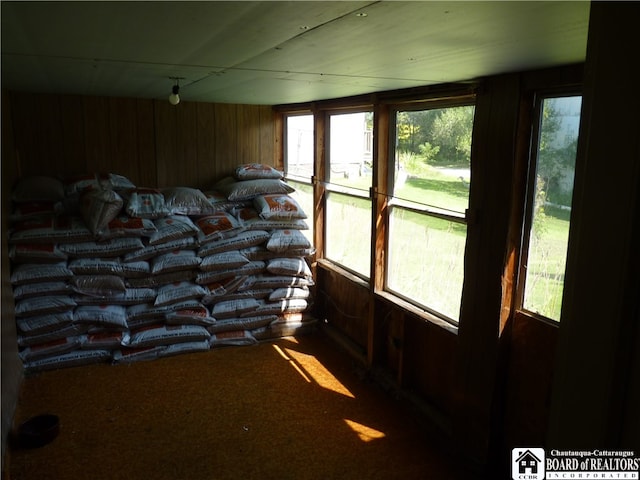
{"points": [[299, 163], [348, 182], [549, 195], [429, 197], [299, 151]]}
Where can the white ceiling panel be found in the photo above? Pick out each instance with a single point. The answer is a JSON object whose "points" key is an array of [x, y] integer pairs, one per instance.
{"points": [[278, 52]]}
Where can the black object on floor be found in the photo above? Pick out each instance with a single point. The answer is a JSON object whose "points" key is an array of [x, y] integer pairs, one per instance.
{"points": [[37, 431]]}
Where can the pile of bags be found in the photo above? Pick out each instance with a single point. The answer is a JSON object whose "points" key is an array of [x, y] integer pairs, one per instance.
{"points": [[104, 271]]}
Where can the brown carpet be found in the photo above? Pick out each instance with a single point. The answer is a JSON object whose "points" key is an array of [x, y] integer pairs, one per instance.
{"points": [[287, 409]]}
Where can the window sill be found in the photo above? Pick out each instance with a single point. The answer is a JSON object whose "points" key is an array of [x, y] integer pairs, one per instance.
{"points": [[538, 318], [390, 298], [417, 311], [329, 265]]}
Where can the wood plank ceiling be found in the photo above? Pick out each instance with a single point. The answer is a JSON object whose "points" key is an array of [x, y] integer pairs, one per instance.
{"points": [[275, 52]]}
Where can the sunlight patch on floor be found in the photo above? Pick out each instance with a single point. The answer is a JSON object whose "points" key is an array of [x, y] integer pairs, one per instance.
{"points": [[366, 434], [312, 370], [293, 364]]}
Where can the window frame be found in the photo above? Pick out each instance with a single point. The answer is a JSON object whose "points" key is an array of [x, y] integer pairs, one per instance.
{"points": [[431, 211], [307, 181], [326, 174], [285, 143], [328, 187], [529, 197]]}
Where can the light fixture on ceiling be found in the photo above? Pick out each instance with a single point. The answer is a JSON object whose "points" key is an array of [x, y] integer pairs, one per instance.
{"points": [[174, 98]]}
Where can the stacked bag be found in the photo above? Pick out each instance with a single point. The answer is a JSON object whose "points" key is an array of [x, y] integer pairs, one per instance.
{"points": [[104, 271]]}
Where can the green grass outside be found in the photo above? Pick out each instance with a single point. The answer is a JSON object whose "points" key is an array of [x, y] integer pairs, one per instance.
{"points": [[426, 254], [546, 267]]}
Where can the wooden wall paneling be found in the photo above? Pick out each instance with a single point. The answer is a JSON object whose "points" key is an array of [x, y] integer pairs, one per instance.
{"points": [[206, 145], [630, 417], [526, 345], [51, 137], [165, 117], [249, 134], [600, 300], [376, 337], [428, 374], [151, 142], [123, 137], [279, 137], [32, 155], [22, 137], [628, 351], [346, 303], [499, 457], [527, 398], [511, 347], [73, 134], [98, 142], [393, 322], [37, 133], [463, 401], [146, 171], [492, 159], [185, 162], [271, 135], [12, 369], [10, 362], [430, 363], [10, 166], [226, 139]]}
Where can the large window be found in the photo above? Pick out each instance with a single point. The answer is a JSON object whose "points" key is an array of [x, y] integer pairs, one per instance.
{"points": [[299, 163], [549, 205], [348, 184], [430, 194], [422, 191]]}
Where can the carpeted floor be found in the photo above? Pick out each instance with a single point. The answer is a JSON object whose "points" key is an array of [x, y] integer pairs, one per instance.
{"points": [[288, 409]]}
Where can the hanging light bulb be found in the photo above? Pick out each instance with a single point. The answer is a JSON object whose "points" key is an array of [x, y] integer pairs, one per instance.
{"points": [[174, 98]]}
